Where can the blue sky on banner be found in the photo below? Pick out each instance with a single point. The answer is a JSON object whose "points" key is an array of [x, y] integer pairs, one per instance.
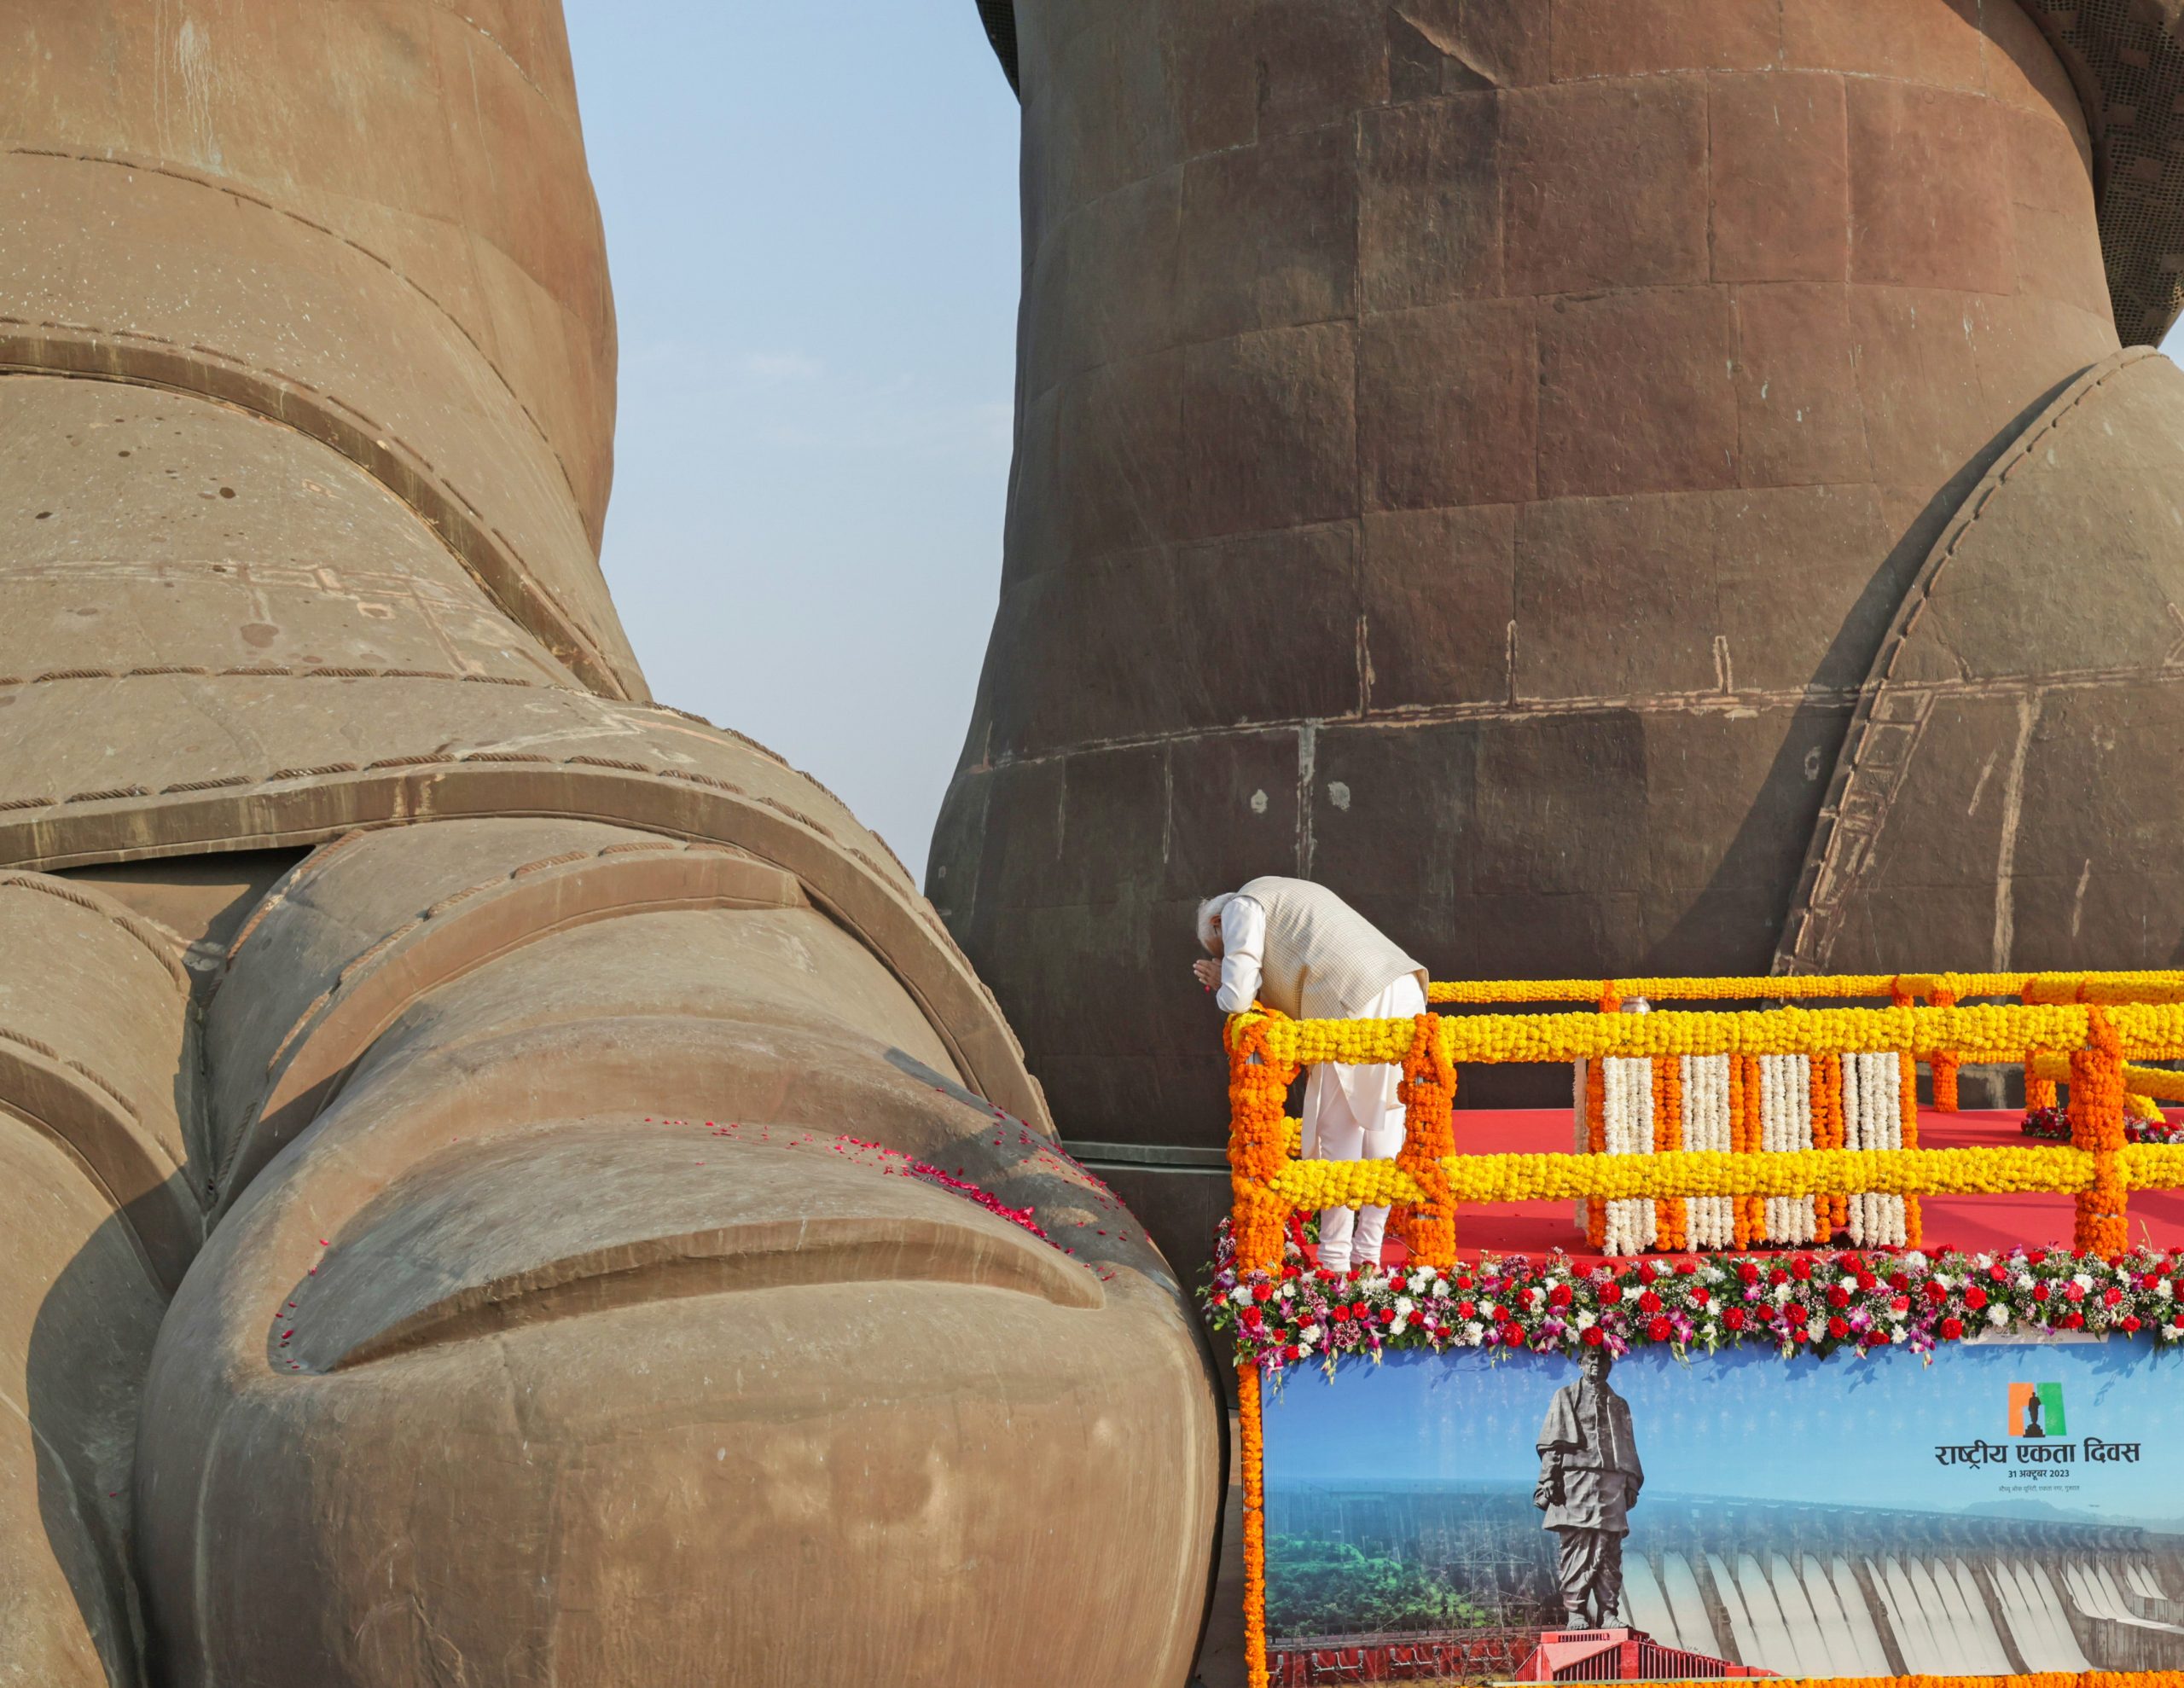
{"points": [[1745, 1424], [811, 213]]}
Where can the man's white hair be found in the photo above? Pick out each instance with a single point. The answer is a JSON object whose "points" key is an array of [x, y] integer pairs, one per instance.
{"points": [[1208, 920]]}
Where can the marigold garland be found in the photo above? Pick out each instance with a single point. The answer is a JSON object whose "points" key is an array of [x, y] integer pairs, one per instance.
{"points": [[2039, 1078], [1427, 1223], [1743, 1140], [2158, 985], [1671, 1215], [1943, 1064], [2097, 1129], [1804, 1194], [1682, 1174], [1259, 1078], [1993, 1033], [2042, 1067], [1596, 1140], [1251, 1434], [1279, 1315], [1830, 1210]]}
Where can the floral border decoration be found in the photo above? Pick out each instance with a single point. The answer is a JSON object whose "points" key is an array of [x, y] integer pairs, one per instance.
{"points": [[1810, 1302]]}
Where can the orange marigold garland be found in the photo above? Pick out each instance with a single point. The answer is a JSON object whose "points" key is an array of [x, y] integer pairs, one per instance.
{"points": [[1428, 1092], [1825, 1083], [1943, 1065], [1596, 1142], [1672, 1215], [2039, 1093], [2097, 1127], [1251, 1434], [1259, 1144], [1744, 1140]]}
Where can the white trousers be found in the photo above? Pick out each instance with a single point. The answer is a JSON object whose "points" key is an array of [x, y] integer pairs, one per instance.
{"points": [[1351, 1114]]}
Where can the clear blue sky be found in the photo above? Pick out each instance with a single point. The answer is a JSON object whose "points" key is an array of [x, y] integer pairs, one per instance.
{"points": [[811, 214], [811, 217]]}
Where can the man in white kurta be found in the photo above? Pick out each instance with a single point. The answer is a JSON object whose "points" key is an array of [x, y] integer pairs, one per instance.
{"points": [[1299, 947]]}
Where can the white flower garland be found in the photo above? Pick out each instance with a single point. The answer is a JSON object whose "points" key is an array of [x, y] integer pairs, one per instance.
{"points": [[1709, 1221], [1786, 1124], [1627, 1128], [1873, 1118]]}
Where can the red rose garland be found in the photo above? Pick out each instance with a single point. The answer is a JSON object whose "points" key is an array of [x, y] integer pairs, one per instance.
{"points": [[1814, 1301]]}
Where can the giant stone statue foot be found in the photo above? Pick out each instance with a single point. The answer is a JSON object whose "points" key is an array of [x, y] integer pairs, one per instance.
{"points": [[597, 1328], [366, 925]]}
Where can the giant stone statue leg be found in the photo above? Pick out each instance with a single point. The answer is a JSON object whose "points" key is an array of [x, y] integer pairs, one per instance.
{"points": [[95, 1042], [499, 1365], [1496, 458]]}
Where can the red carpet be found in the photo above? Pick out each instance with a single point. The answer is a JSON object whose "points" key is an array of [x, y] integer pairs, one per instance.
{"points": [[1969, 1223]]}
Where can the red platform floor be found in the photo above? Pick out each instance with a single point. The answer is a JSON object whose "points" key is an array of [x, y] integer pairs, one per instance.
{"points": [[1969, 1222]]}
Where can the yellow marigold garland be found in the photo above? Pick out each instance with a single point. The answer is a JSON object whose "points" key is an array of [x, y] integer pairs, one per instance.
{"points": [[2160, 985], [1684, 1173], [1807, 1172], [1978, 1033], [2059, 1169], [2047, 1068], [1266, 1052], [1311, 1186], [2153, 1166]]}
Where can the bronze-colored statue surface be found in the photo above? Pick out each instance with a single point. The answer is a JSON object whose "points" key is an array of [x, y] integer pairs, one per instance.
{"points": [[1606, 486], [1589, 1475], [431, 1250]]}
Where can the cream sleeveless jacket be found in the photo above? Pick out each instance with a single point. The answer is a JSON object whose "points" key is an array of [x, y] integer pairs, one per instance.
{"points": [[1324, 960]]}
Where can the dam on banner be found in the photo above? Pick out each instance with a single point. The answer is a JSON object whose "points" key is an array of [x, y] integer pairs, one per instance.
{"points": [[1586, 1417], [1868, 1517]]}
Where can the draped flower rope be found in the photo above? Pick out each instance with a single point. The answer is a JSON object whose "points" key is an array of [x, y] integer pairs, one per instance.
{"points": [[1805, 1302]]}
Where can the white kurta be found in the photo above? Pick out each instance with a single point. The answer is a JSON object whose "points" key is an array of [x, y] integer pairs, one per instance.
{"points": [[1351, 1112]]}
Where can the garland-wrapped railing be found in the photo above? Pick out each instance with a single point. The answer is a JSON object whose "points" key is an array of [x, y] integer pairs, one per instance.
{"points": [[1427, 1180], [2078, 1029]]}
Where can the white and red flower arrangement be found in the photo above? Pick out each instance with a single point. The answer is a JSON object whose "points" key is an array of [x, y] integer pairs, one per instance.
{"points": [[1810, 1303], [2053, 1125]]}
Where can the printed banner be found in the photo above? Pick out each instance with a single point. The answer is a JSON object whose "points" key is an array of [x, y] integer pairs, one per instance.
{"points": [[2007, 1507]]}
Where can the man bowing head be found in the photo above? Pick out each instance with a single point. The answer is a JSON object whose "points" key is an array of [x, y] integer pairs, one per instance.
{"points": [[1299, 947]]}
